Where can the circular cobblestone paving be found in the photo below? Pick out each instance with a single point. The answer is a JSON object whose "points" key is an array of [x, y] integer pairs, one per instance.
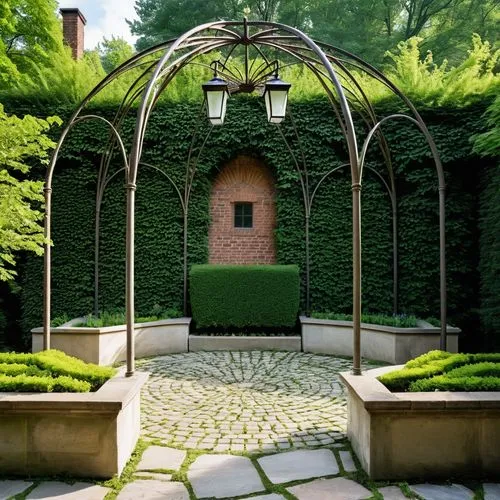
{"points": [[244, 401]]}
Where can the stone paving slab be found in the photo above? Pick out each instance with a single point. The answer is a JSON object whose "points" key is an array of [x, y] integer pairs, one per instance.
{"points": [[330, 489], [153, 490], [392, 493], [161, 457], [222, 476], [56, 490], [347, 461], [442, 492], [300, 464], [9, 488], [491, 491]]}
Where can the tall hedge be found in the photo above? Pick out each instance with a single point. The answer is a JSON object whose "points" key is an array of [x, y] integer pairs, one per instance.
{"points": [[240, 296], [159, 216]]}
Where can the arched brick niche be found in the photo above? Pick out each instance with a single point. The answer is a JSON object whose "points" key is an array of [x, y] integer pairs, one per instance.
{"points": [[243, 195]]}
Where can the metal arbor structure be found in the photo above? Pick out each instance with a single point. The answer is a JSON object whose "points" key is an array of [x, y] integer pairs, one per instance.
{"points": [[335, 69]]}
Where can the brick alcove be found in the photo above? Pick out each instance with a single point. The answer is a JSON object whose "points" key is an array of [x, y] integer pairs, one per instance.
{"points": [[243, 180]]}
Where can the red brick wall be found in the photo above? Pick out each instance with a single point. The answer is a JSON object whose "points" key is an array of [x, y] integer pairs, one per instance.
{"points": [[73, 30], [243, 179]]}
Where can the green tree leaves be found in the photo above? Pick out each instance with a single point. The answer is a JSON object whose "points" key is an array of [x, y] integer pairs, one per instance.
{"points": [[20, 198]]}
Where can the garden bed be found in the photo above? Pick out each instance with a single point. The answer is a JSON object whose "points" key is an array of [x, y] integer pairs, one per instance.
{"points": [[88, 434], [378, 342], [413, 434], [107, 345]]}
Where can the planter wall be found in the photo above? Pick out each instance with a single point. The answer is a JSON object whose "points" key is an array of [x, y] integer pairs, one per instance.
{"points": [[381, 343], [106, 345], [82, 435], [213, 343], [415, 435]]}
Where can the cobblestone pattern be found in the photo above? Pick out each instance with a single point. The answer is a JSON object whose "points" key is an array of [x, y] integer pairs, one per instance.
{"points": [[244, 401]]}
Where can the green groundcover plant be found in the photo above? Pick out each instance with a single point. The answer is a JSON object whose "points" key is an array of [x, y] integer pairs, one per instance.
{"points": [[118, 318], [113, 318], [445, 371], [400, 320], [50, 371]]}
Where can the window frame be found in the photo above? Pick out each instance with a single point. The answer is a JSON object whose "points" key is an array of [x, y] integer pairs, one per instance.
{"points": [[240, 220]]}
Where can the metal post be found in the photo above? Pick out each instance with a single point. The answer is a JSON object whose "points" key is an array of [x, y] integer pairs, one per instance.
{"points": [[47, 270], [129, 286], [96, 260], [308, 270], [356, 277], [442, 267], [185, 257], [395, 258]]}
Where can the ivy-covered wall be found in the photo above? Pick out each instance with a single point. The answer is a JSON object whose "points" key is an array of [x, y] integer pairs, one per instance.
{"points": [[246, 131]]}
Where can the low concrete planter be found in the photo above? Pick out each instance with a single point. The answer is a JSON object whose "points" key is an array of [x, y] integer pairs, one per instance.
{"points": [[422, 434], [104, 346], [213, 343], [382, 343], [82, 435]]}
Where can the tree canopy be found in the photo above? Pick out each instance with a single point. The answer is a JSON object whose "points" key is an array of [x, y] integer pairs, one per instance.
{"points": [[366, 27], [29, 34], [113, 52]]}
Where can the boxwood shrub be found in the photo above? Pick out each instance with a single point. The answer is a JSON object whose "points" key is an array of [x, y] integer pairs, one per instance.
{"points": [[244, 295], [444, 371], [50, 371]]}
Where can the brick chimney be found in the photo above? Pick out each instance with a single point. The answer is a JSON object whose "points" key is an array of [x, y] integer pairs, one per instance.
{"points": [[73, 27]]}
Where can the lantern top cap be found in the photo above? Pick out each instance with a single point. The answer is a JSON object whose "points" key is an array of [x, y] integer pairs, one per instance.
{"points": [[216, 83], [275, 83]]}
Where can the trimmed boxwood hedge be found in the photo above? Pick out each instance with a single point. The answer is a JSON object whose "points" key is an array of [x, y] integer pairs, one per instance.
{"points": [[239, 296], [444, 371], [50, 371]]}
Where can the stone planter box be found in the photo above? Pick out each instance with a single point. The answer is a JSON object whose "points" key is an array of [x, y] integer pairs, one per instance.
{"points": [[381, 343], [422, 434], [76, 434], [107, 345], [212, 343]]}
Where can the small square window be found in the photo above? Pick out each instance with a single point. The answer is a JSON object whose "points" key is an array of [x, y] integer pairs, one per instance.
{"points": [[243, 215]]}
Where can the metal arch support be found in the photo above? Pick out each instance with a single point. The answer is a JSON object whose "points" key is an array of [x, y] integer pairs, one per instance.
{"points": [[48, 213], [194, 43], [442, 189], [392, 196], [135, 154]]}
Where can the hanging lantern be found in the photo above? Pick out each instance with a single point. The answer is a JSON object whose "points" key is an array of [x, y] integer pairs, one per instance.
{"points": [[276, 97], [216, 94]]}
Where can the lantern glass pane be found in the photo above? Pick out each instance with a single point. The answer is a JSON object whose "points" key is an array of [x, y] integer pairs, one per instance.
{"points": [[278, 100], [216, 106]]}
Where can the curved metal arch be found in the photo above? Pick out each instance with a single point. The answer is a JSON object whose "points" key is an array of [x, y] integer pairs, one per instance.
{"points": [[48, 211], [268, 35], [442, 188]]}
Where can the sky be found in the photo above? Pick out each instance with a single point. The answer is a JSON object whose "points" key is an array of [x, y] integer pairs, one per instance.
{"points": [[104, 18]]}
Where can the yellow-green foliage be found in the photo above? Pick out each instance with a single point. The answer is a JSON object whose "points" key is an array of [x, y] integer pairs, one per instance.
{"points": [[439, 370], [21, 140], [429, 84], [50, 371], [27, 383]]}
